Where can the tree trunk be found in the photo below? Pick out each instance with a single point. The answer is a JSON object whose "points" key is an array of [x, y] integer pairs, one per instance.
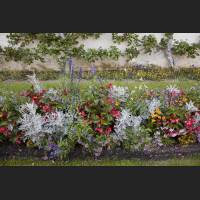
{"points": [[64, 71], [169, 51]]}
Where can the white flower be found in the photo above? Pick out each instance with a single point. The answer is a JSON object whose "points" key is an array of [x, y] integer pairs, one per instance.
{"points": [[190, 107], [119, 93]]}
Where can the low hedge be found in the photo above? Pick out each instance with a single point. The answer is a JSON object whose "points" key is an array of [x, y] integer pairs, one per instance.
{"points": [[134, 73], [22, 75]]}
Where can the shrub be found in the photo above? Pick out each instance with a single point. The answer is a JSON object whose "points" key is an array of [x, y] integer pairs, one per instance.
{"points": [[129, 72], [22, 75]]}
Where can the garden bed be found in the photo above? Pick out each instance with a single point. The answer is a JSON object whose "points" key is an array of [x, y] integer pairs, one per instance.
{"points": [[103, 121]]}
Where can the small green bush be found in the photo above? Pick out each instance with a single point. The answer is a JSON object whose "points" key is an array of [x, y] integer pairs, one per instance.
{"points": [[134, 73], [22, 75]]}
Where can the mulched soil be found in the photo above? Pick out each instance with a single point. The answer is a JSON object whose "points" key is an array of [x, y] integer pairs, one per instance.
{"points": [[22, 152], [163, 153]]}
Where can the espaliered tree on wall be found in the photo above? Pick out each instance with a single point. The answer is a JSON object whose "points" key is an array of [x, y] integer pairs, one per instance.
{"points": [[28, 47], [149, 43]]}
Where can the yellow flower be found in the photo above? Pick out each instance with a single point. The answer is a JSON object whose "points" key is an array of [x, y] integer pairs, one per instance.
{"points": [[153, 120], [153, 115], [184, 99], [117, 103], [158, 111]]}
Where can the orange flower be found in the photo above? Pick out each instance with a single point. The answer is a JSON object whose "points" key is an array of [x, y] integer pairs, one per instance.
{"points": [[163, 118]]}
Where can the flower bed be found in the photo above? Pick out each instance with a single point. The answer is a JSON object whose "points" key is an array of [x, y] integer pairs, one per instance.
{"points": [[103, 118]]}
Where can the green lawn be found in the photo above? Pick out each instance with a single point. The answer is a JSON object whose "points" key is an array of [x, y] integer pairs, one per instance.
{"points": [[189, 161], [18, 86]]}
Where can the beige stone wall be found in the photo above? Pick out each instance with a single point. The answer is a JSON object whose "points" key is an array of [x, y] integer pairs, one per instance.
{"points": [[105, 41]]}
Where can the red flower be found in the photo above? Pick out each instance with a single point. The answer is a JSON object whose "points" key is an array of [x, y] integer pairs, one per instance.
{"points": [[34, 99], [99, 130], [108, 130], [46, 108], [3, 129], [18, 141], [83, 114], [115, 113], [109, 85]]}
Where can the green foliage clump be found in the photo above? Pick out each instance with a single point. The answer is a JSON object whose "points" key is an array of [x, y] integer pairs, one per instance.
{"points": [[137, 140]]}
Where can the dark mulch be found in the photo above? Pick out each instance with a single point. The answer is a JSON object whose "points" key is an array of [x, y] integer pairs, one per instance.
{"points": [[161, 153], [15, 151], [22, 152]]}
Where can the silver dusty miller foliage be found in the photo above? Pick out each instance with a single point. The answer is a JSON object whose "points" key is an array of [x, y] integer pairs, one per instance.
{"points": [[36, 126]]}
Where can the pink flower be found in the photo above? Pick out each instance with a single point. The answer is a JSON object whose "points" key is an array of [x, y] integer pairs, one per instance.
{"points": [[189, 123], [175, 120], [115, 113], [18, 141], [197, 129], [82, 113], [99, 130], [4, 131], [46, 108], [110, 85], [110, 100]]}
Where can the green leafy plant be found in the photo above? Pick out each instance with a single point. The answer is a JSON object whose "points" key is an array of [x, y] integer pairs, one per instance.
{"points": [[137, 140]]}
